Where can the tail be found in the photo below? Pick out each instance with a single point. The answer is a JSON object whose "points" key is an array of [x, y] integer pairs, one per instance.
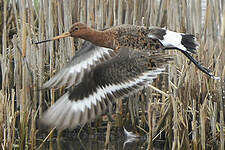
{"points": [[189, 42], [174, 40], [186, 43]]}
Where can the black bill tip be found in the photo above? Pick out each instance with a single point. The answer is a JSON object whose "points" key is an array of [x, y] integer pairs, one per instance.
{"points": [[39, 42]]}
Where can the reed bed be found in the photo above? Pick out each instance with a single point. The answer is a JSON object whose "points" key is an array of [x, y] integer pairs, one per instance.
{"points": [[185, 107]]}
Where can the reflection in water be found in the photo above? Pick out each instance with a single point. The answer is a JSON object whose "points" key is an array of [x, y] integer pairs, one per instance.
{"points": [[96, 142]]}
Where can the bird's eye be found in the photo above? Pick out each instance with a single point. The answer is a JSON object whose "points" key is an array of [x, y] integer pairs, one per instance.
{"points": [[76, 28]]}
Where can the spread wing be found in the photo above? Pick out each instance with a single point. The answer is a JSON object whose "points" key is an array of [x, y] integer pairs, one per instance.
{"points": [[84, 60], [94, 95]]}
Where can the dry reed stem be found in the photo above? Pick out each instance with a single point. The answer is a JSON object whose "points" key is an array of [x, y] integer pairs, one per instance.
{"points": [[109, 124], [222, 99], [202, 123], [175, 124], [150, 135], [194, 126], [221, 130], [46, 138]]}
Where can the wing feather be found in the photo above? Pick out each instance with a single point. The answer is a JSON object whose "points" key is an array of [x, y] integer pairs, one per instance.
{"points": [[87, 58], [94, 95]]}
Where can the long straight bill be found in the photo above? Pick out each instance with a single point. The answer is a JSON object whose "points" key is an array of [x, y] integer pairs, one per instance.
{"points": [[64, 35]]}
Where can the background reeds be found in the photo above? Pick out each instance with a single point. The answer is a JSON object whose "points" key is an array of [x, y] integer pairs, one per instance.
{"points": [[188, 110]]}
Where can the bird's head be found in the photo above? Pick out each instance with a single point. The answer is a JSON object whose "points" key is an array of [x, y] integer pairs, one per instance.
{"points": [[78, 30]]}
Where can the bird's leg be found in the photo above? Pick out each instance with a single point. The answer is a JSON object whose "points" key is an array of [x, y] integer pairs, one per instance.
{"points": [[199, 65]]}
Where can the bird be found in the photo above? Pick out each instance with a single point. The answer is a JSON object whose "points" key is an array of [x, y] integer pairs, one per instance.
{"points": [[104, 76], [137, 37], [113, 63]]}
